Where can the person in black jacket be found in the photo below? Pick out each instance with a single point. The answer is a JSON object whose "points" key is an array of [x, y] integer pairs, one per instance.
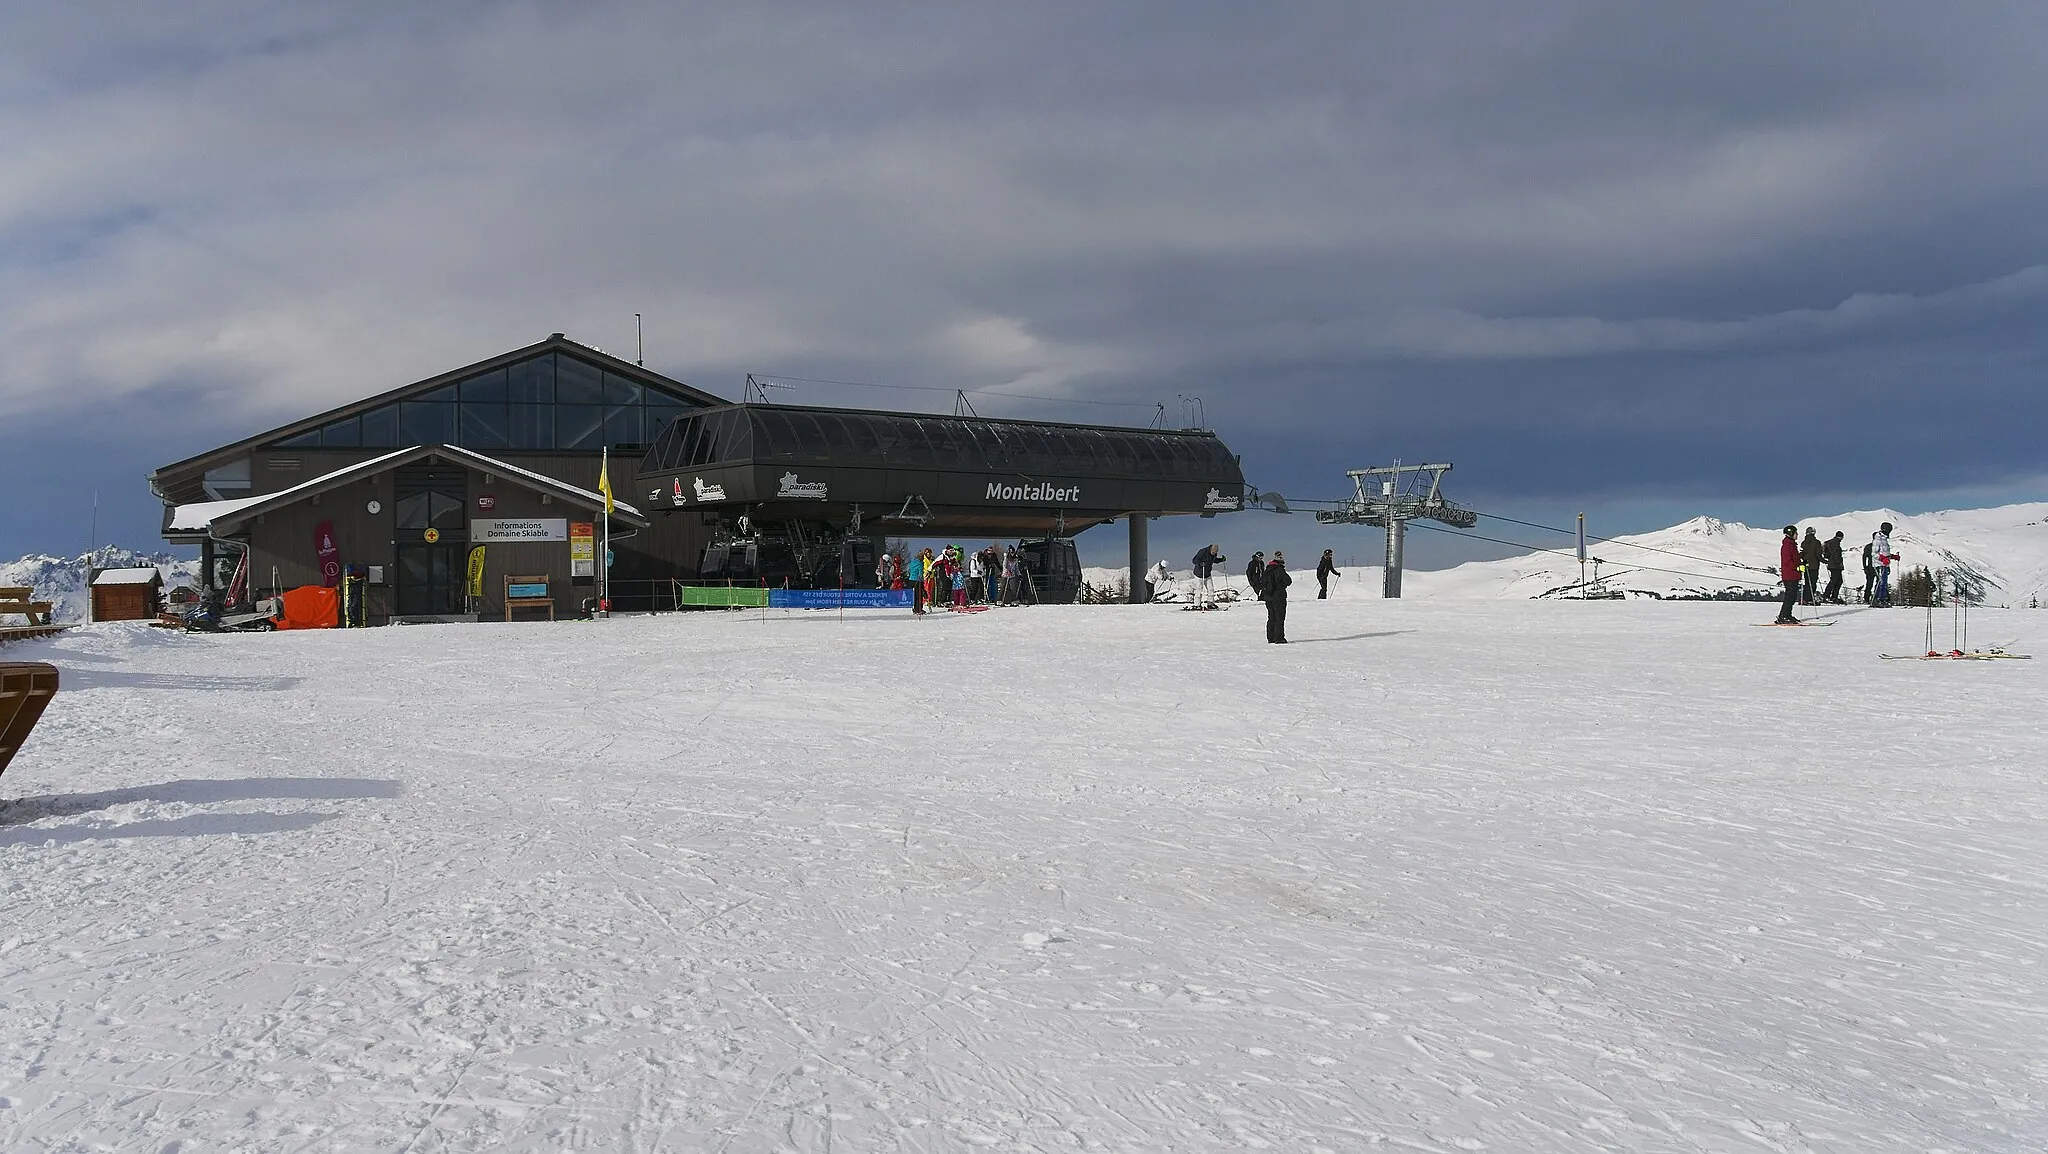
{"points": [[1275, 584], [1255, 573], [1831, 553], [1810, 553], [1325, 569], [1205, 568]]}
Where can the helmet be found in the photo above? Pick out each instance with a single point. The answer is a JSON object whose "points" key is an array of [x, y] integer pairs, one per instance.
{"points": [[1885, 528]]}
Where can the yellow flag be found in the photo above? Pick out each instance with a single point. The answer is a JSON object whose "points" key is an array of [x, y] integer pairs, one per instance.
{"points": [[476, 571], [604, 480]]}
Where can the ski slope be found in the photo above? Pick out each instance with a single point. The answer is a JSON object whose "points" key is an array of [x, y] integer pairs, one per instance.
{"points": [[2004, 548], [1441, 876]]}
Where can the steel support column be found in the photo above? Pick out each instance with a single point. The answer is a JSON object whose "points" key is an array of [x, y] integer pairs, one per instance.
{"points": [[1141, 555], [1397, 536]]}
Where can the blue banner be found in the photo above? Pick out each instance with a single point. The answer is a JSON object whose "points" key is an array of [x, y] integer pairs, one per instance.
{"points": [[839, 598]]}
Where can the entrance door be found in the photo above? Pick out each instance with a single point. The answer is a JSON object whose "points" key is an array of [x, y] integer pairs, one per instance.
{"points": [[431, 538], [429, 579]]}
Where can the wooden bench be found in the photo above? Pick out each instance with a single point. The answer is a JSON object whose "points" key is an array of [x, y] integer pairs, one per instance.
{"points": [[26, 687], [15, 599], [528, 592]]}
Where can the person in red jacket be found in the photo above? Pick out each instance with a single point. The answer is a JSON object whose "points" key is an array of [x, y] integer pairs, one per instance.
{"points": [[1788, 575]]}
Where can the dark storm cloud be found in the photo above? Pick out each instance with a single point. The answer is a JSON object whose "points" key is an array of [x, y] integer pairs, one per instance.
{"points": [[1593, 250]]}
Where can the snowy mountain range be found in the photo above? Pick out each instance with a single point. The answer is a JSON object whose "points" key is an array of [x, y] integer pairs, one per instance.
{"points": [[61, 580], [2003, 550]]}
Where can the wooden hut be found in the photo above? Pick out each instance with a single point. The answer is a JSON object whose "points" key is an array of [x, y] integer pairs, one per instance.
{"points": [[127, 594]]}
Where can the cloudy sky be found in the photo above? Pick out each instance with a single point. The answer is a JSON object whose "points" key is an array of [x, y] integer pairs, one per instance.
{"points": [[1752, 259]]}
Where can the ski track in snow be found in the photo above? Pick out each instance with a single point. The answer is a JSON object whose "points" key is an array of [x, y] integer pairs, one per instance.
{"points": [[1484, 876]]}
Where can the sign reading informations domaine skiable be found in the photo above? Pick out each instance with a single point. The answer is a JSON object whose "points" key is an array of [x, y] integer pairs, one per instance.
{"points": [[486, 529]]}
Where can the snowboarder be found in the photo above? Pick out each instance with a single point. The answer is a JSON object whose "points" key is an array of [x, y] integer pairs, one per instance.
{"points": [[1254, 573], [1809, 565], [1275, 582], [1869, 574], [1788, 574], [1831, 554], [1325, 569], [1205, 563], [1881, 553]]}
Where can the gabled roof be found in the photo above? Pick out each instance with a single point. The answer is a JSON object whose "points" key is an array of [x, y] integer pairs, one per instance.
{"points": [[216, 517], [555, 342], [145, 575]]}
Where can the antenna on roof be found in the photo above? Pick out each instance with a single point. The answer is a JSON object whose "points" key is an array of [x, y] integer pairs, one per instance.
{"points": [[1159, 416], [757, 389], [962, 407], [639, 343]]}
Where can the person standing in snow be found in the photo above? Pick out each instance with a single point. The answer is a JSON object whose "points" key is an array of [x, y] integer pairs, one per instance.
{"points": [[1155, 577], [1881, 553], [1809, 565], [1205, 563], [1325, 569], [1013, 577], [1788, 574], [1255, 574], [914, 573], [974, 577], [1831, 555], [1275, 583], [1869, 573]]}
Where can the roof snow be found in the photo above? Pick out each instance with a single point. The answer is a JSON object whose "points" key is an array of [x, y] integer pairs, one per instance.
{"points": [[141, 576]]}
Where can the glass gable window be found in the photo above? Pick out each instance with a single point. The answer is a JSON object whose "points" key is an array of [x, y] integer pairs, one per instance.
{"points": [[541, 404]]}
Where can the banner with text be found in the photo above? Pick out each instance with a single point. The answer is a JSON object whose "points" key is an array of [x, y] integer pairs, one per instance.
{"points": [[839, 598]]}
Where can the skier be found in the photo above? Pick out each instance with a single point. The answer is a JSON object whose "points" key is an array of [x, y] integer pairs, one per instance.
{"points": [[919, 591], [1881, 553], [1275, 583], [1255, 573], [1013, 577], [1869, 573], [1325, 569], [1809, 564], [974, 577], [1155, 579], [1831, 553], [1205, 563], [1788, 574]]}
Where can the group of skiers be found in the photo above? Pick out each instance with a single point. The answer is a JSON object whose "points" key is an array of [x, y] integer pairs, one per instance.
{"points": [[1269, 581], [1801, 560], [991, 576]]}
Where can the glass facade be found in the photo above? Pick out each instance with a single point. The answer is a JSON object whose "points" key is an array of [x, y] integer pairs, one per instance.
{"points": [[552, 402], [832, 437]]}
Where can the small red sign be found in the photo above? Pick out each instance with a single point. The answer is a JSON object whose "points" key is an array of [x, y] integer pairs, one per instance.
{"points": [[486, 502]]}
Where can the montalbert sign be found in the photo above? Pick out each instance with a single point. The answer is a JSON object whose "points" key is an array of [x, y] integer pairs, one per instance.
{"points": [[1043, 491]]}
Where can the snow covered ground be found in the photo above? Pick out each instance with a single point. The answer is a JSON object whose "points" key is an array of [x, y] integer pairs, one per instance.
{"points": [[1481, 875]]}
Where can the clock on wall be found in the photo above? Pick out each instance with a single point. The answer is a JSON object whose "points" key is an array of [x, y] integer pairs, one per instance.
{"points": [[376, 507]]}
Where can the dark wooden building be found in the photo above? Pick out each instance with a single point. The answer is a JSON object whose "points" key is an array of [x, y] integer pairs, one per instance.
{"points": [[505, 453]]}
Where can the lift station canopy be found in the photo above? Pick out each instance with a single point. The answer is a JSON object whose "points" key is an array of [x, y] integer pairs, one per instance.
{"points": [[942, 474]]}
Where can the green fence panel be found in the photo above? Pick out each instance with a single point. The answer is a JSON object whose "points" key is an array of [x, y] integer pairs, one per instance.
{"points": [[724, 596]]}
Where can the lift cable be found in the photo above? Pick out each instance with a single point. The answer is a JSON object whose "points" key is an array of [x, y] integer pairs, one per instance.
{"points": [[1629, 544], [1574, 555]]}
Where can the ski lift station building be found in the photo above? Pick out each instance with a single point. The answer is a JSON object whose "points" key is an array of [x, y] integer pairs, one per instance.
{"points": [[506, 453]]}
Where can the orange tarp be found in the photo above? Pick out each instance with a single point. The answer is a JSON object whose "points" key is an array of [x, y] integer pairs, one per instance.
{"points": [[310, 607]]}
